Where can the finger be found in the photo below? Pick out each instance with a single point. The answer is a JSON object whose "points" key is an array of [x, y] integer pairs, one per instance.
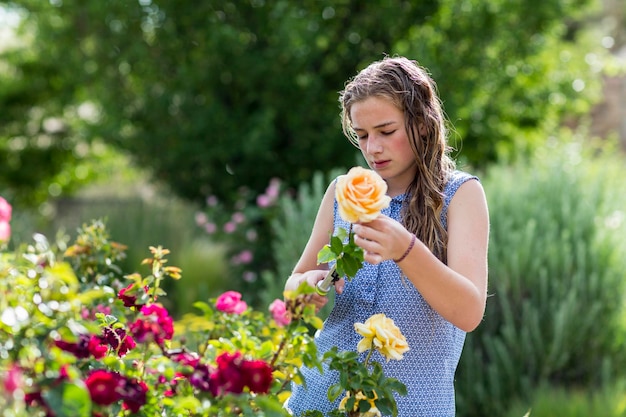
{"points": [[372, 258], [340, 285]]}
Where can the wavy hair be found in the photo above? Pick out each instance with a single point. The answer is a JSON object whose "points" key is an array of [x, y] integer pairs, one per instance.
{"points": [[409, 87]]}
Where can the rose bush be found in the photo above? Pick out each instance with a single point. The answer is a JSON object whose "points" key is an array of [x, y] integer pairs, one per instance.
{"points": [[81, 337]]}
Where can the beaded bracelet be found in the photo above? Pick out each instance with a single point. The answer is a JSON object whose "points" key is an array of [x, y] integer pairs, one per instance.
{"points": [[413, 238]]}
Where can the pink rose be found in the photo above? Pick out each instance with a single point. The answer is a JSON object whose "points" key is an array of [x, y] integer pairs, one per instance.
{"points": [[230, 227], [263, 201], [14, 379], [238, 217], [279, 312], [231, 302], [5, 231], [210, 228], [5, 210], [201, 218]]}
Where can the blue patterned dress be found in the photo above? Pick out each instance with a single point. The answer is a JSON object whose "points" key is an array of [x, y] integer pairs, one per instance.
{"points": [[427, 369]]}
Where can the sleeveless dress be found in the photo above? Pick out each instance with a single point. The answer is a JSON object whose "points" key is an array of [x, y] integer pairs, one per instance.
{"points": [[427, 369]]}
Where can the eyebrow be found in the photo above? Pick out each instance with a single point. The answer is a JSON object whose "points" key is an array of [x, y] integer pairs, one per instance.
{"points": [[379, 126]]}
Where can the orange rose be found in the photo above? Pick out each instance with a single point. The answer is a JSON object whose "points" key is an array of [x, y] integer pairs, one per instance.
{"points": [[361, 195]]}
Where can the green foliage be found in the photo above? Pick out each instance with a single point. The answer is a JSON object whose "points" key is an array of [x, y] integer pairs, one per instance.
{"points": [[45, 149], [559, 402], [357, 377], [506, 75], [206, 275], [66, 318], [142, 221], [556, 293], [348, 256], [214, 96], [245, 233]]}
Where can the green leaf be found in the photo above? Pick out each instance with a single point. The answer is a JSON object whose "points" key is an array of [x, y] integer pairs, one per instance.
{"points": [[386, 407], [336, 245], [64, 271], [342, 234], [69, 399], [351, 265], [315, 321], [326, 255], [334, 392]]}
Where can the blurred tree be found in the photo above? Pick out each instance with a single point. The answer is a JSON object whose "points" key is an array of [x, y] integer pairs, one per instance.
{"points": [[43, 144], [215, 95]]}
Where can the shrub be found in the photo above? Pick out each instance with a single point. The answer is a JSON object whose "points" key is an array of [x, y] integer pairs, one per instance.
{"points": [[244, 230], [559, 402], [79, 337], [556, 272]]}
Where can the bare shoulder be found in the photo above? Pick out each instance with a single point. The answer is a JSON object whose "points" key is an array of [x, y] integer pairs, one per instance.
{"points": [[469, 195], [469, 207]]}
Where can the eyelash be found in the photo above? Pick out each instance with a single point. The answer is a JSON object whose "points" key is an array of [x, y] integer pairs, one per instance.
{"points": [[383, 133]]}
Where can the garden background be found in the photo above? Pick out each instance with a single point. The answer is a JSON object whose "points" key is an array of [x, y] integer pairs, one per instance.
{"points": [[212, 129]]}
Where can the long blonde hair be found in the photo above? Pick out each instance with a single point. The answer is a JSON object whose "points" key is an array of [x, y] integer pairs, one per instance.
{"points": [[410, 88]]}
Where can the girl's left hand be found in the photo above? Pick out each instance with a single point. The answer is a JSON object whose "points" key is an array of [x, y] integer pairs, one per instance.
{"points": [[381, 239]]}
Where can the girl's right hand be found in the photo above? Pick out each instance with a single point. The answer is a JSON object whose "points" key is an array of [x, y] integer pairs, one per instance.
{"points": [[315, 276]]}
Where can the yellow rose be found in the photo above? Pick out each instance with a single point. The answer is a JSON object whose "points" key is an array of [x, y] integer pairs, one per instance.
{"points": [[381, 333], [361, 195]]}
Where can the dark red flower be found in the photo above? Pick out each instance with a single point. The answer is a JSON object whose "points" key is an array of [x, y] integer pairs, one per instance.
{"points": [[104, 386], [201, 377], [228, 376], [119, 340], [129, 294], [96, 348], [35, 399], [257, 376], [186, 358], [86, 346], [63, 373], [156, 326], [134, 393]]}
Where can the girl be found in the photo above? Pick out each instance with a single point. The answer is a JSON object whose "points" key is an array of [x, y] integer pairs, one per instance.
{"points": [[425, 255]]}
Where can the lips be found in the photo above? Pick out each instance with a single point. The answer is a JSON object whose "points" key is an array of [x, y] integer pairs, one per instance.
{"points": [[380, 164]]}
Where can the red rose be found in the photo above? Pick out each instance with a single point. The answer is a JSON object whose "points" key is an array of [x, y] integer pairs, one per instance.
{"points": [[156, 325], [257, 376], [119, 340], [104, 386], [128, 295], [228, 377], [134, 394]]}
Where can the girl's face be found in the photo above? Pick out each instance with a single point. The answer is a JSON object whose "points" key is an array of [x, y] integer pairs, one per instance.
{"points": [[383, 141]]}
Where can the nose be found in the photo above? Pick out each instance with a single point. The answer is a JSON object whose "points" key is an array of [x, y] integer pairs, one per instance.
{"points": [[374, 145]]}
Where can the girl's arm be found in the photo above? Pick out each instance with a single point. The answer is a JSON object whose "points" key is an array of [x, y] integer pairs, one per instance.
{"points": [[458, 290], [307, 268]]}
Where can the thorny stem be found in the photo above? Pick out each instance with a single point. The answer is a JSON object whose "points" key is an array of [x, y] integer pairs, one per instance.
{"points": [[278, 351]]}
